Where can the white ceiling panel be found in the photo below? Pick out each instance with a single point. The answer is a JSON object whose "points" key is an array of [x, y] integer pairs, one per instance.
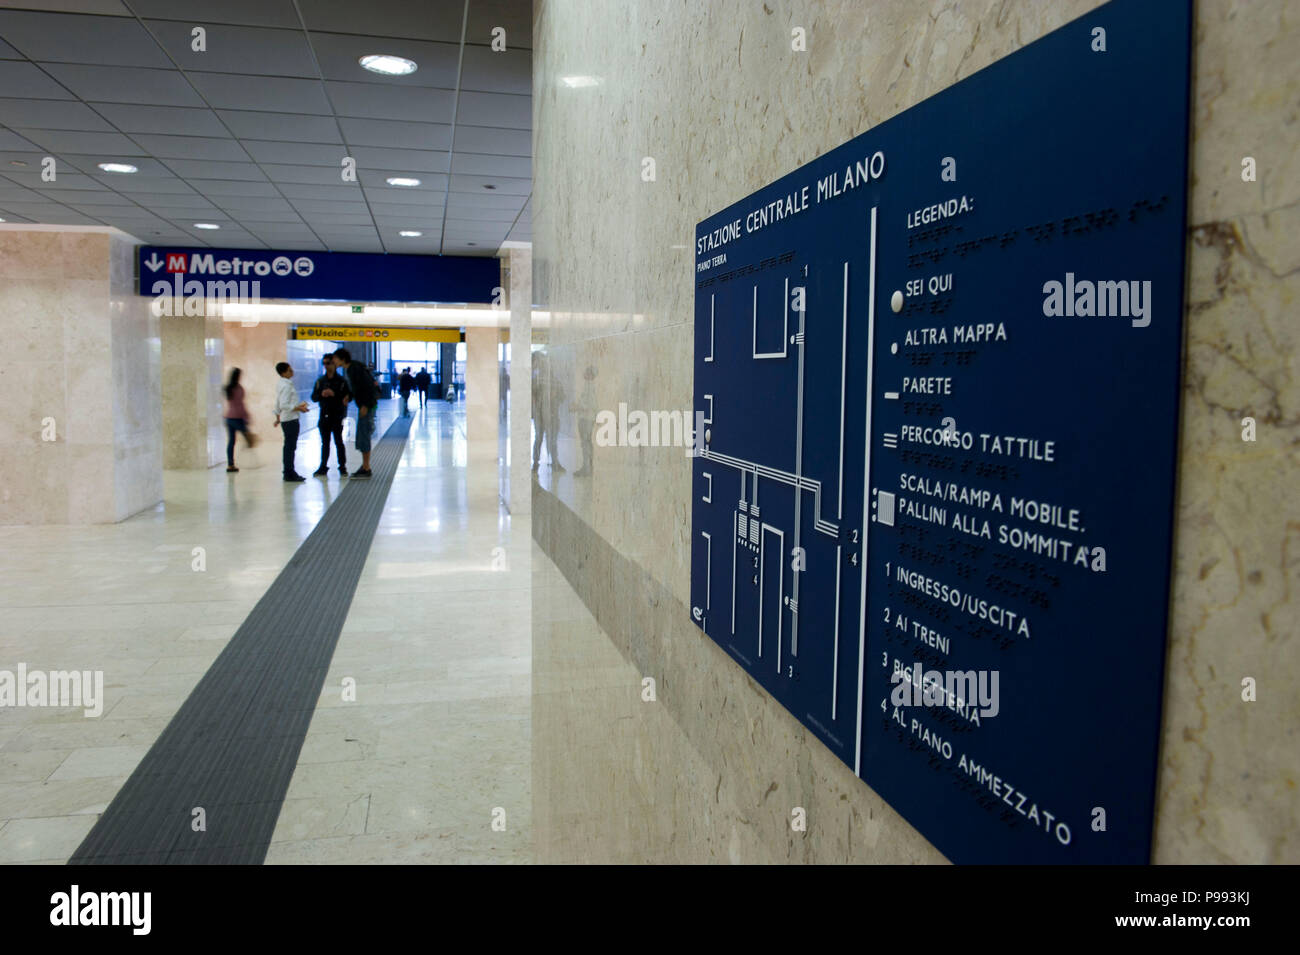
{"points": [[400, 135], [255, 51], [111, 145], [411, 103], [304, 154], [200, 169], [281, 126], [27, 81], [165, 120], [51, 114], [426, 20], [250, 133], [120, 84], [67, 38], [491, 71], [338, 55], [192, 147], [495, 109], [278, 93], [267, 13]]}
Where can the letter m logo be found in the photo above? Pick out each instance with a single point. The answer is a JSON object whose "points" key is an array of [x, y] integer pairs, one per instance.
{"points": [[176, 262]]}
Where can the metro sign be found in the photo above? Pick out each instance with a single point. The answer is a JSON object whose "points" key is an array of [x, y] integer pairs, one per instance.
{"points": [[328, 276]]}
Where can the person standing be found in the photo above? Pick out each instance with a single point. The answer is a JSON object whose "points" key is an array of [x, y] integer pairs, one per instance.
{"points": [[546, 413], [405, 383], [422, 382], [584, 414], [237, 419], [287, 408], [366, 397], [331, 393]]}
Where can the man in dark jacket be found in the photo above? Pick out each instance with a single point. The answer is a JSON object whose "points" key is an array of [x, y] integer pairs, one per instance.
{"points": [[366, 396], [331, 392], [405, 385], [422, 382]]}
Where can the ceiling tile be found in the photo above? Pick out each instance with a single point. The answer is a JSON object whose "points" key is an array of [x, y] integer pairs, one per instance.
{"points": [[72, 141], [281, 126], [401, 135], [123, 84], [281, 94], [228, 187], [51, 114], [269, 13], [410, 160], [516, 167], [298, 190], [507, 71], [185, 168], [304, 154], [514, 16], [111, 8], [25, 80], [461, 182], [388, 18], [192, 147], [375, 101], [256, 51], [495, 109], [339, 54], [167, 120], [69, 38], [315, 175]]}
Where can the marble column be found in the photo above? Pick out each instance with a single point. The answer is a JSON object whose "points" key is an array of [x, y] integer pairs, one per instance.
{"points": [[82, 429], [192, 356], [482, 389], [520, 266], [255, 350]]}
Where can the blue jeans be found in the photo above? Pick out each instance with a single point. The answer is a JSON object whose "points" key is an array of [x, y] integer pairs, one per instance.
{"points": [[234, 426], [290, 429], [365, 428]]}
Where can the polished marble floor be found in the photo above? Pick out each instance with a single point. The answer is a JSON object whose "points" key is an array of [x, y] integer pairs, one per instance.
{"points": [[427, 760]]}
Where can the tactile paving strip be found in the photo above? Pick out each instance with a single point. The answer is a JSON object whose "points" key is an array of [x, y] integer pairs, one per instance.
{"points": [[231, 748]]}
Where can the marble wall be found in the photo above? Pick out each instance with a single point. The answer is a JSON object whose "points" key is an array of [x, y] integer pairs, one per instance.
{"points": [[715, 95], [193, 350], [255, 349], [83, 437], [482, 389]]}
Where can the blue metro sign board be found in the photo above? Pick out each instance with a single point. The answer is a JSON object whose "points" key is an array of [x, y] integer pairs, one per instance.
{"points": [[939, 370], [319, 276]]}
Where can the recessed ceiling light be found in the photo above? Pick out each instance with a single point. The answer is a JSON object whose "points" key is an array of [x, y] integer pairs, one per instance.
{"points": [[410, 233], [2, 220], [578, 82], [206, 225], [402, 181], [387, 64], [117, 167]]}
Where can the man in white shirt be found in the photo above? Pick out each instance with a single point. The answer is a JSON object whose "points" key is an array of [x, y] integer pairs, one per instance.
{"points": [[287, 409]]}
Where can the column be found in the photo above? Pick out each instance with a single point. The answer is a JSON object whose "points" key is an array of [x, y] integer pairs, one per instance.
{"points": [[192, 401], [82, 430], [521, 375]]}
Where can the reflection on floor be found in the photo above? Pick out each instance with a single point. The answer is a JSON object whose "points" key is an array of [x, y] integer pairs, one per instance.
{"points": [[435, 748]]}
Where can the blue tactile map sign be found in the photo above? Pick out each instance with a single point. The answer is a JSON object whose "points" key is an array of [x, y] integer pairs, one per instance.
{"points": [[937, 375], [252, 274]]}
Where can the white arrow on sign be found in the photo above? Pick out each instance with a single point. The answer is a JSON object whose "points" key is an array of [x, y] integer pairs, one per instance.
{"points": [[153, 262]]}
